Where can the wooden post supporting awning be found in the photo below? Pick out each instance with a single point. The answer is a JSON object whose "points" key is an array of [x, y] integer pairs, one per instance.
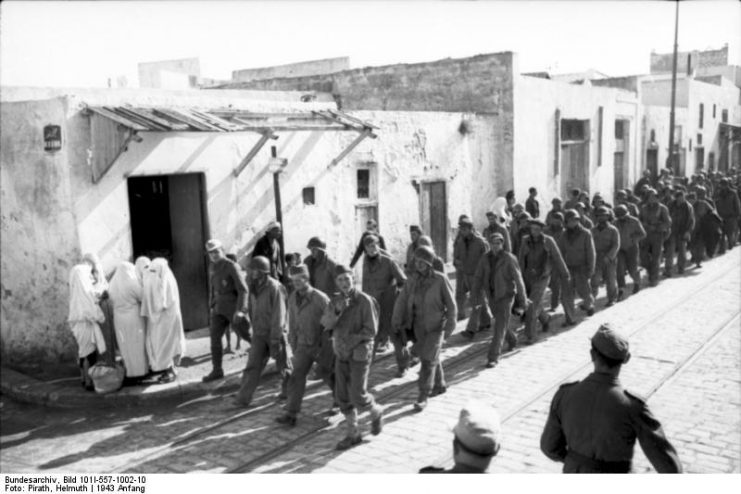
{"points": [[268, 125]]}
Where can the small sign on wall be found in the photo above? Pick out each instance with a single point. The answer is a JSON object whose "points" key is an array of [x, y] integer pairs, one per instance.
{"points": [[52, 138]]}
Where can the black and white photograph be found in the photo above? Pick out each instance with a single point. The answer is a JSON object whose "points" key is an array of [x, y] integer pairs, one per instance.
{"points": [[369, 237]]}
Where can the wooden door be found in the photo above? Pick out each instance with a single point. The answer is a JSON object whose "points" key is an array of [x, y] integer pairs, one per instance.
{"points": [[699, 158], [575, 167], [619, 166], [434, 216], [189, 262], [652, 162]]}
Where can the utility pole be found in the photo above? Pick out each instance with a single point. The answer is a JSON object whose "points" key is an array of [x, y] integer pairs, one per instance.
{"points": [[276, 166], [671, 160]]}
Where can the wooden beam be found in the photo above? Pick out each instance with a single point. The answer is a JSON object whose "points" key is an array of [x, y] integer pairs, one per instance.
{"points": [[131, 137], [253, 152], [353, 145]]}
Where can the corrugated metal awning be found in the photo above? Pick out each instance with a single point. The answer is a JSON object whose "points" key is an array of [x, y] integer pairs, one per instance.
{"points": [[171, 119]]}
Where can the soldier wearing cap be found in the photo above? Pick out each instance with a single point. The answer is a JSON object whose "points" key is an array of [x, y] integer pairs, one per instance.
{"points": [[495, 226], [631, 233], [269, 247], [519, 229], [427, 307], [583, 210], [268, 313], [498, 280], [477, 440], [306, 307], [468, 250], [352, 316], [683, 224], [382, 279], [577, 248], [621, 197], [593, 424], [538, 257], [414, 233], [227, 301], [606, 246], [657, 223], [437, 263]]}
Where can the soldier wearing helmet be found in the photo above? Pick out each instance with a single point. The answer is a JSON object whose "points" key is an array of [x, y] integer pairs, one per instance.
{"points": [[268, 313], [593, 424], [631, 233], [426, 306], [606, 246], [657, 223], [577, 248]]}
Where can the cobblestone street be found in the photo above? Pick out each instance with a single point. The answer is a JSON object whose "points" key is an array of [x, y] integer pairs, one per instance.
{"points": [[686, 346]]}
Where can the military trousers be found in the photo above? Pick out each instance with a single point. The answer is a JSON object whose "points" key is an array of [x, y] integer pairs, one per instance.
{"points": [[401, 352], [675, 244], [627, 260], [217, 328], [480, 316], [428, 347], [535, 292], [605, 270], [352, 385], [555, 286], [303, 358], [579, 285], [651, 250], [256, 362], [730, 233], [502, 310]]}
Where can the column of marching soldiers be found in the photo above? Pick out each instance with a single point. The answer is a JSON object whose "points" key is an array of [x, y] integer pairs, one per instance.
{"points": [[314, 316]]}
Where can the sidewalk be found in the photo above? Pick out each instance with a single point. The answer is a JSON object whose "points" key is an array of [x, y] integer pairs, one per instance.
{"points": [[54, 391]]}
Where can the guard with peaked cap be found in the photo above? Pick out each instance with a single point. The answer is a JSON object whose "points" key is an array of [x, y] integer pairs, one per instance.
{"points": [[593, 424]]}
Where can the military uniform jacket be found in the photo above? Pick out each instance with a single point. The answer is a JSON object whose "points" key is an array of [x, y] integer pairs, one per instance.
{"points": [[498, 277], [532, 207], [268, 311], [438, 304], [499, 228], [577, 249], [538, 257], [656, 219], [354, 328], [593, 425], [381, 279], [631, 231], [606, 241], [467, 253], [727, 204], [228, 293], [683, 217], [304, 317], [321, 274], [271, 250], [361, 247]]}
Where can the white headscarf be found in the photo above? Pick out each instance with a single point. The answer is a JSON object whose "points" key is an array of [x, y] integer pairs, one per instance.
{"points": [[500, 209], [83, 304], [99, 281], [142, 264], [125, 281], [160, 289]]}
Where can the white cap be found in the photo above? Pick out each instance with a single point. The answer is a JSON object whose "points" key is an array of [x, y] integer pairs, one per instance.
{"points": [[479, 428]]}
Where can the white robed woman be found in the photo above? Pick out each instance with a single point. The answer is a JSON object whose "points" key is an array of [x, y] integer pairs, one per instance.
{"points": [[125, 290], [161, 307], [85, 317]]}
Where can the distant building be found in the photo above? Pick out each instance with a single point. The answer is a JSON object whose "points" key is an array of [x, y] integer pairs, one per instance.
{"points": [[311, 67], [170, 74]]}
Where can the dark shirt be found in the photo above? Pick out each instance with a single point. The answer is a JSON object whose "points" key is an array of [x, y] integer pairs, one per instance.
{"points": [[361, 248], [270, 249], [532, 207]]}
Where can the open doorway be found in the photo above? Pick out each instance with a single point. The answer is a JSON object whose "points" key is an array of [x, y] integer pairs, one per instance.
{"points": [[169, 219]]}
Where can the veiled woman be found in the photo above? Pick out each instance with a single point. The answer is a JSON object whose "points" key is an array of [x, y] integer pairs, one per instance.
{"points": [[100, 288], [85, 317], [161, 306], [125, 291]]}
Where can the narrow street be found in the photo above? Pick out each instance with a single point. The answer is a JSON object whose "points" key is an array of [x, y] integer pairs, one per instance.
{"points": [[686, 359]]}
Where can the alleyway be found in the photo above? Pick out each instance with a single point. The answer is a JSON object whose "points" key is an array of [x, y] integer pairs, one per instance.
{"points": [[686, 346]]}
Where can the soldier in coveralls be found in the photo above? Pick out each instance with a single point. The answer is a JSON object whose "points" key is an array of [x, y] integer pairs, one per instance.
{"points": [[593, 424], [427, 306], [353, 318]]}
